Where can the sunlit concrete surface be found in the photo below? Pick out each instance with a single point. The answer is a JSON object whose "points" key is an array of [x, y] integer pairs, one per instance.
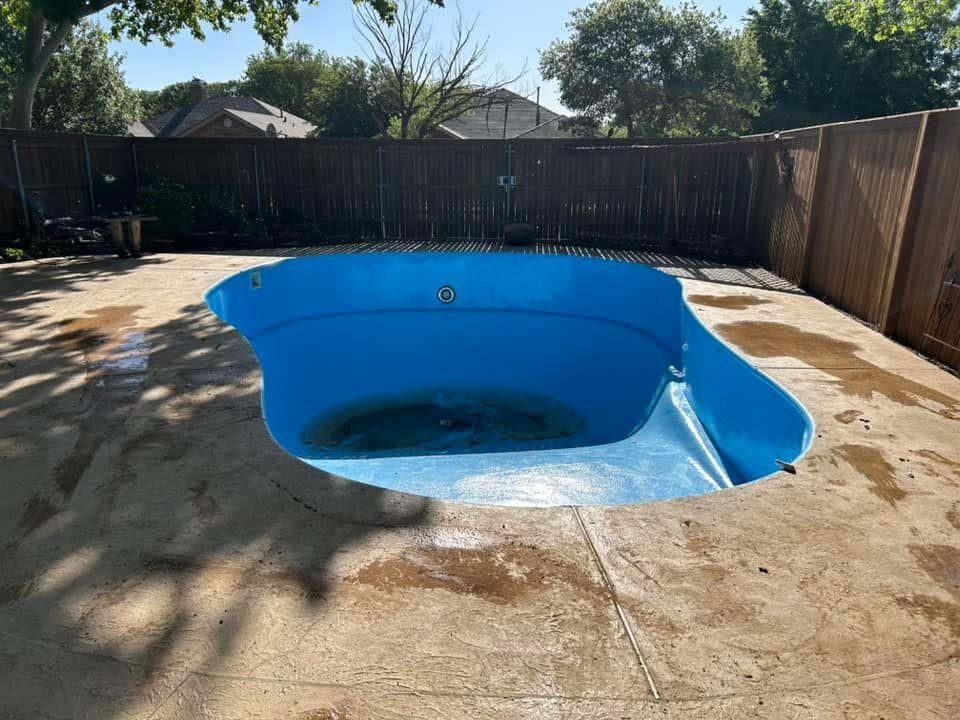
{"points": [[162, 558]]}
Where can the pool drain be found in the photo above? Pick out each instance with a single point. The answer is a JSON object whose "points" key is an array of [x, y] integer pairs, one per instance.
{"points": [[446, 294]]}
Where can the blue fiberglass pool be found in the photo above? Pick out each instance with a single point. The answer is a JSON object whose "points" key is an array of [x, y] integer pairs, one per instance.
{"points": [[505, 379]]}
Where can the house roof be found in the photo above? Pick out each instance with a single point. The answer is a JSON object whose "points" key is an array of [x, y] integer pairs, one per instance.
{"points": [[486, 121], [250, 110]]}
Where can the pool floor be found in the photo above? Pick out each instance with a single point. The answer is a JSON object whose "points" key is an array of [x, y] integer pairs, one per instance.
{"points": [[669, 456]]}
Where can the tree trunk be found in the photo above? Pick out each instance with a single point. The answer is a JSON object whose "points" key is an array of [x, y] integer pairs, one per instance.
{"points": [[37, 52]]}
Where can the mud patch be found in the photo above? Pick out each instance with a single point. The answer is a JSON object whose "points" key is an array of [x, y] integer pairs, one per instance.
{"points": [[856, 377], [941, 563], [933, 609], [97, 328], [847, 416], [728, 302], [501, 575], [870, 463]]}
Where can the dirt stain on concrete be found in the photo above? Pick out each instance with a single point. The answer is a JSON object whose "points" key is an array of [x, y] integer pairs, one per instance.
{"points": [[941, 563], [857, 377], [501, 575], [847, 416], [728, 302], [933, 609], [870, 463], [953, 517], [952, 465]]}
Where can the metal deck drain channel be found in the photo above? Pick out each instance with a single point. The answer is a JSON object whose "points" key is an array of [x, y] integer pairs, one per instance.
{"points": [[624, 620]]}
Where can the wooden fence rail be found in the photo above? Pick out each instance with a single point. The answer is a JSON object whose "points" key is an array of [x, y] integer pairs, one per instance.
{"points": [[679, 196], [866, 215]]}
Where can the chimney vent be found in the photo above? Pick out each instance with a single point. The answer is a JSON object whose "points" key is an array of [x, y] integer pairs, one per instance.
{"points": [[198, 91]]}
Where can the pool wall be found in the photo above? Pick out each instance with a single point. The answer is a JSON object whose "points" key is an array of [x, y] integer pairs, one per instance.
{"points": [[752, 421]]}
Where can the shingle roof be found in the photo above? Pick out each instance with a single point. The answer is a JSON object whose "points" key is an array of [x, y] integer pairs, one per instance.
{"points": [[176, 122], [487, 120]]}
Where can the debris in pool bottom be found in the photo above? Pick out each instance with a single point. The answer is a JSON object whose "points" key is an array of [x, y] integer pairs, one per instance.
{"points": [[443, 422]]}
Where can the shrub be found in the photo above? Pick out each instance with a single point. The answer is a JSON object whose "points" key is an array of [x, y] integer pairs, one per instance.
{"points": [[172, 204]]}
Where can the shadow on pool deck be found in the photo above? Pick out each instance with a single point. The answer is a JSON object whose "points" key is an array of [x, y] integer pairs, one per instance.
{"points": [[121, 423]]}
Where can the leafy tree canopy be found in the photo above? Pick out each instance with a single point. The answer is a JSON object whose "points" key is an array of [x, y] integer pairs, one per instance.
{"points": [[45, 24], [650, 70], [83, 89], [821, 70]]}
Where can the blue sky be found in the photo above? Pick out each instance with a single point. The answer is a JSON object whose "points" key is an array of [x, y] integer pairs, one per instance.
{"points": [[517, 29]]}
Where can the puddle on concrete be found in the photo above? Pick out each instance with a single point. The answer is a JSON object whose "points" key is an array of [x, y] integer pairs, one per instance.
{"points": [[856, 376], [870, 463], [438, 422], [728, 302], [109, 344]]}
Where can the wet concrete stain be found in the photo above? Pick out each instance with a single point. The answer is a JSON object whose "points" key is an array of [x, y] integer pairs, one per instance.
{"points": [[933, 609], [857, 377], [728, 302], [941, 563], [870, 463], [501, 575], [206, 507], [847, 416]]}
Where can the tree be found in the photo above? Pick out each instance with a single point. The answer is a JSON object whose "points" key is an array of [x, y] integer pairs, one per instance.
{"points": [[47, 23], [83, 89], [285, 76], [821, 70], [653, 71], [417, 86], [341, 104]]}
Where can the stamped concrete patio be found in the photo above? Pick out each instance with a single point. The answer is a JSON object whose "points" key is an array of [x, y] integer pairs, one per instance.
{"points": [[162, 558]]}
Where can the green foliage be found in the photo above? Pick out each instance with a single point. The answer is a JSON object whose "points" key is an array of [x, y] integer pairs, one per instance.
{"points": [[215, 210], [818, 70], [885, 20], [172, 204], [341, 103], [9, 254], [83, 89], [656, 71], [286, 76]]}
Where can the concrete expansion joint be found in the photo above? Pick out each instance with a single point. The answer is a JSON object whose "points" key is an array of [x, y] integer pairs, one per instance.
{"points": [[612, 591]]}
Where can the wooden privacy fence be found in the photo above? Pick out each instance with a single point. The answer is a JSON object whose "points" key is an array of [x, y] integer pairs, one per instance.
{"points": [[866, 215], [679, 196]]}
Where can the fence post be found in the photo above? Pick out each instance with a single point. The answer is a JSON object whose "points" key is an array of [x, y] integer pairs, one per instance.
{"points": [[136, 165], [20, 188], [383, 222], [256, 180], [643, 187], [669, 206], [93, 197], [903, 240], [816, 195], [509, 210]]}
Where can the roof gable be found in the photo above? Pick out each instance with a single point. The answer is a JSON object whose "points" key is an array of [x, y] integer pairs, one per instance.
{"points": [[505, 114], [253, 111]]}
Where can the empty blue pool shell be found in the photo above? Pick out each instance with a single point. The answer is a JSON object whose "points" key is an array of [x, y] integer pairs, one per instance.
{"points": [[506, 378]]}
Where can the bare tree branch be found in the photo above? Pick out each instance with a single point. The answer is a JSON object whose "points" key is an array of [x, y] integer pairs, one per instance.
{"points": [[420, 85]]}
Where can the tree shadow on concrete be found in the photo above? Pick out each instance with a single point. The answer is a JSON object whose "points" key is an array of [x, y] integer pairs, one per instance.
{"points": [[146, 510]]}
